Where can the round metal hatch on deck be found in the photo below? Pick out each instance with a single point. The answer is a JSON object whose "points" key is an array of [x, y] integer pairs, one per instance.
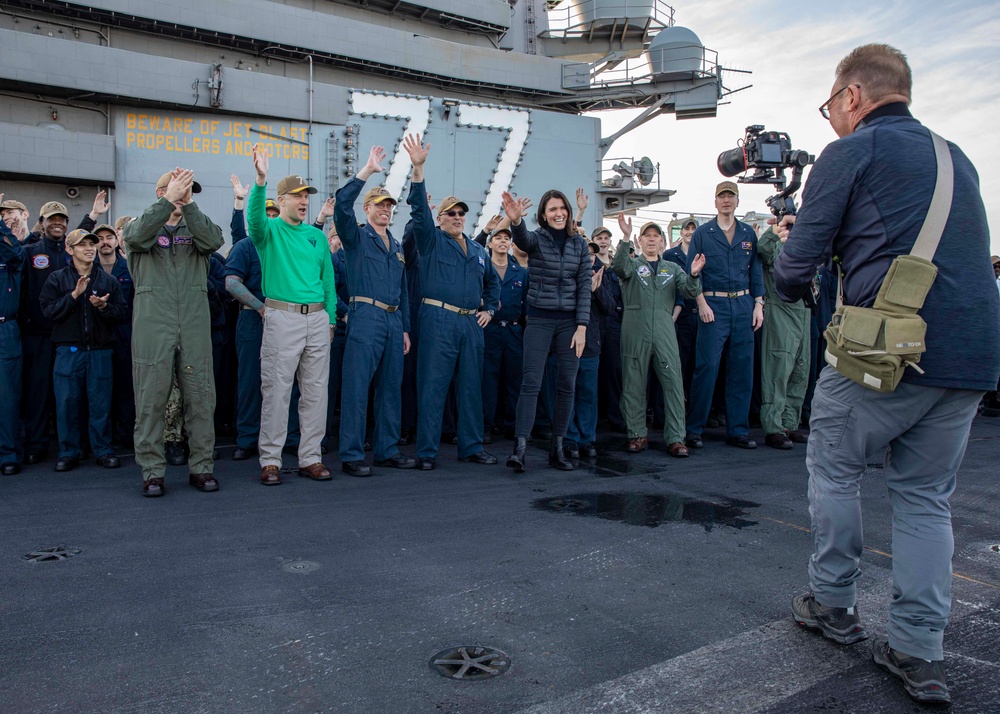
{"points": [[470, 663], [301, 567]]}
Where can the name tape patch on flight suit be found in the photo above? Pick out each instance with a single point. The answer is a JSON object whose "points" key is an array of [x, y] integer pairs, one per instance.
{"points": [[40, 261], [746, 245], [182, 240]]}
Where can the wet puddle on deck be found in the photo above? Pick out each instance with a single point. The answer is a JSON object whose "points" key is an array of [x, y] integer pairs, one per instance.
{"points": [[650, 510]]}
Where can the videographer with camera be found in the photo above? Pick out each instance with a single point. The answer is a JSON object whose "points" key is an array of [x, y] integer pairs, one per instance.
{"points": [[868, 197]]}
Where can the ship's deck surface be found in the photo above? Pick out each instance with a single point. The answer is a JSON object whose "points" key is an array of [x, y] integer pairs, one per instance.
{"points": [[641, 584]]}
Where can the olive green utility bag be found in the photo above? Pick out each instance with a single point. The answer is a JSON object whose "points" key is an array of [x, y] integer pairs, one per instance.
{"points": [[874, 346]]}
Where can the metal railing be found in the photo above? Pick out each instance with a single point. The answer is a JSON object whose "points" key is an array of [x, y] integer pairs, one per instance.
{"points": [[693, 61], [577, 16], [616, 172]]}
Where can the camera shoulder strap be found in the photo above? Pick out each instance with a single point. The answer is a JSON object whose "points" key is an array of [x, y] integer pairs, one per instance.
{"points": [[937, 215]]}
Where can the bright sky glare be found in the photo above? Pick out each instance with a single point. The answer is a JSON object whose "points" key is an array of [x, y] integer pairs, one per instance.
{"points": [[792, 49]]}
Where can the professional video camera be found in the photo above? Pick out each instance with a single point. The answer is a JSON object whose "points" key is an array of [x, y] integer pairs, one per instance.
{"points": [[769, 153]]}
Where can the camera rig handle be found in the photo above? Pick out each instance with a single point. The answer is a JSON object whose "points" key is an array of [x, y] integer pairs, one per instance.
{"points": [[782, 203]]}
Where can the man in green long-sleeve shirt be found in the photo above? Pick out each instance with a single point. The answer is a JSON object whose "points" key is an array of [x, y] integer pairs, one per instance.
{"points": [[168, 250], [300, 313]]}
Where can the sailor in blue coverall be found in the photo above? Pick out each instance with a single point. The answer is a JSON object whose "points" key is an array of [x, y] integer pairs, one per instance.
{"points": [[461, 293], [731, 308], [378, 324], [11, 260], [339, 260], [504, 337]]}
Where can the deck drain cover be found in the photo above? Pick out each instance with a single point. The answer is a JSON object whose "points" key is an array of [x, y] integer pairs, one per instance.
{"points": [[50, 554], [470, 663], [300, 567]]}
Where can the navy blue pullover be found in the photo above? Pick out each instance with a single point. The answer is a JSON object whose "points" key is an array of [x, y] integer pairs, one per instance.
{"points": [[865, 201]]}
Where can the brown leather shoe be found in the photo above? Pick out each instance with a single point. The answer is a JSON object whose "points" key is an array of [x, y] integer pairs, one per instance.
{"points": [[639, 443], [270, 475], [679, 450], [317, 472], [204, 482], [153, 487]]}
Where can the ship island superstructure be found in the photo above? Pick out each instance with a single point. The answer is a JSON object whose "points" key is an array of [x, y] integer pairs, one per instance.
{"points": [[110, 94]]}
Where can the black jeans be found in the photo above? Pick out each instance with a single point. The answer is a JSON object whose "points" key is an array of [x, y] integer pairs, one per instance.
{"points": [[540, 336]]}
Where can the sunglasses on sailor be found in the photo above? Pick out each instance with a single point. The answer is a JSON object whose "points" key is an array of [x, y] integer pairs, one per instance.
{"points": [[460, 214]]}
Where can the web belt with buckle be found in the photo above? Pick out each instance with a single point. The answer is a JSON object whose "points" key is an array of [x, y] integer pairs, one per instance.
{"points": [[376, 303], [294, 306], [737, 294], [450, 308]]}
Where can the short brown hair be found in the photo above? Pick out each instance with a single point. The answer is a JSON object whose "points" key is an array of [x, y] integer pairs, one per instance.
{"points": [[881, 70], [548, 196]]}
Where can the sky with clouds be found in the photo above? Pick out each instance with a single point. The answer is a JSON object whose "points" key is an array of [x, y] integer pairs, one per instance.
{"points": [[792, 49]]}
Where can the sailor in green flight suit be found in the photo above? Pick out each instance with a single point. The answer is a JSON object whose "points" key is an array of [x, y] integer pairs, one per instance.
{"points": [[785, 348], [649, 290], [168, 250]]}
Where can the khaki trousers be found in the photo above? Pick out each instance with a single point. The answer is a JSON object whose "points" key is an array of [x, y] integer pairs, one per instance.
{"points": [[293, 345]]}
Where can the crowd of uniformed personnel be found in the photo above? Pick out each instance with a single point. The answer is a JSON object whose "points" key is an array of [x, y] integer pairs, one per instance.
{"points": [[313, 334]]}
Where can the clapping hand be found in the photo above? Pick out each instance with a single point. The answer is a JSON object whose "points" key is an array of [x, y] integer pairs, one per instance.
{"points": [[179, 189], [596, 278], [81, 287], [99, 302]]}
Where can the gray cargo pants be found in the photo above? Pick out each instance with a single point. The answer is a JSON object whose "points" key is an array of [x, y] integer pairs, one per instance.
{"points": [[924, 431]]}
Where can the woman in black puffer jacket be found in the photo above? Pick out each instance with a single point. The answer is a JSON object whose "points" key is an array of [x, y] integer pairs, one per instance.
{"points": [[558, 311]]}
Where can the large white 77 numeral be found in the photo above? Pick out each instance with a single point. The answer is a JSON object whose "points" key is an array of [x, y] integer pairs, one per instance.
{"points": [[415, 109], [517, 123]]}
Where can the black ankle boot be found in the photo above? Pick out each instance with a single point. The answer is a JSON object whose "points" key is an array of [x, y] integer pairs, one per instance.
{"points": [[557, 459], [516, 460]]}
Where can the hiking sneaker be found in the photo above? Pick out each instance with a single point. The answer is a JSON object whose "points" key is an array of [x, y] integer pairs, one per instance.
{"points": [[924, 681], [840, 624]]}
